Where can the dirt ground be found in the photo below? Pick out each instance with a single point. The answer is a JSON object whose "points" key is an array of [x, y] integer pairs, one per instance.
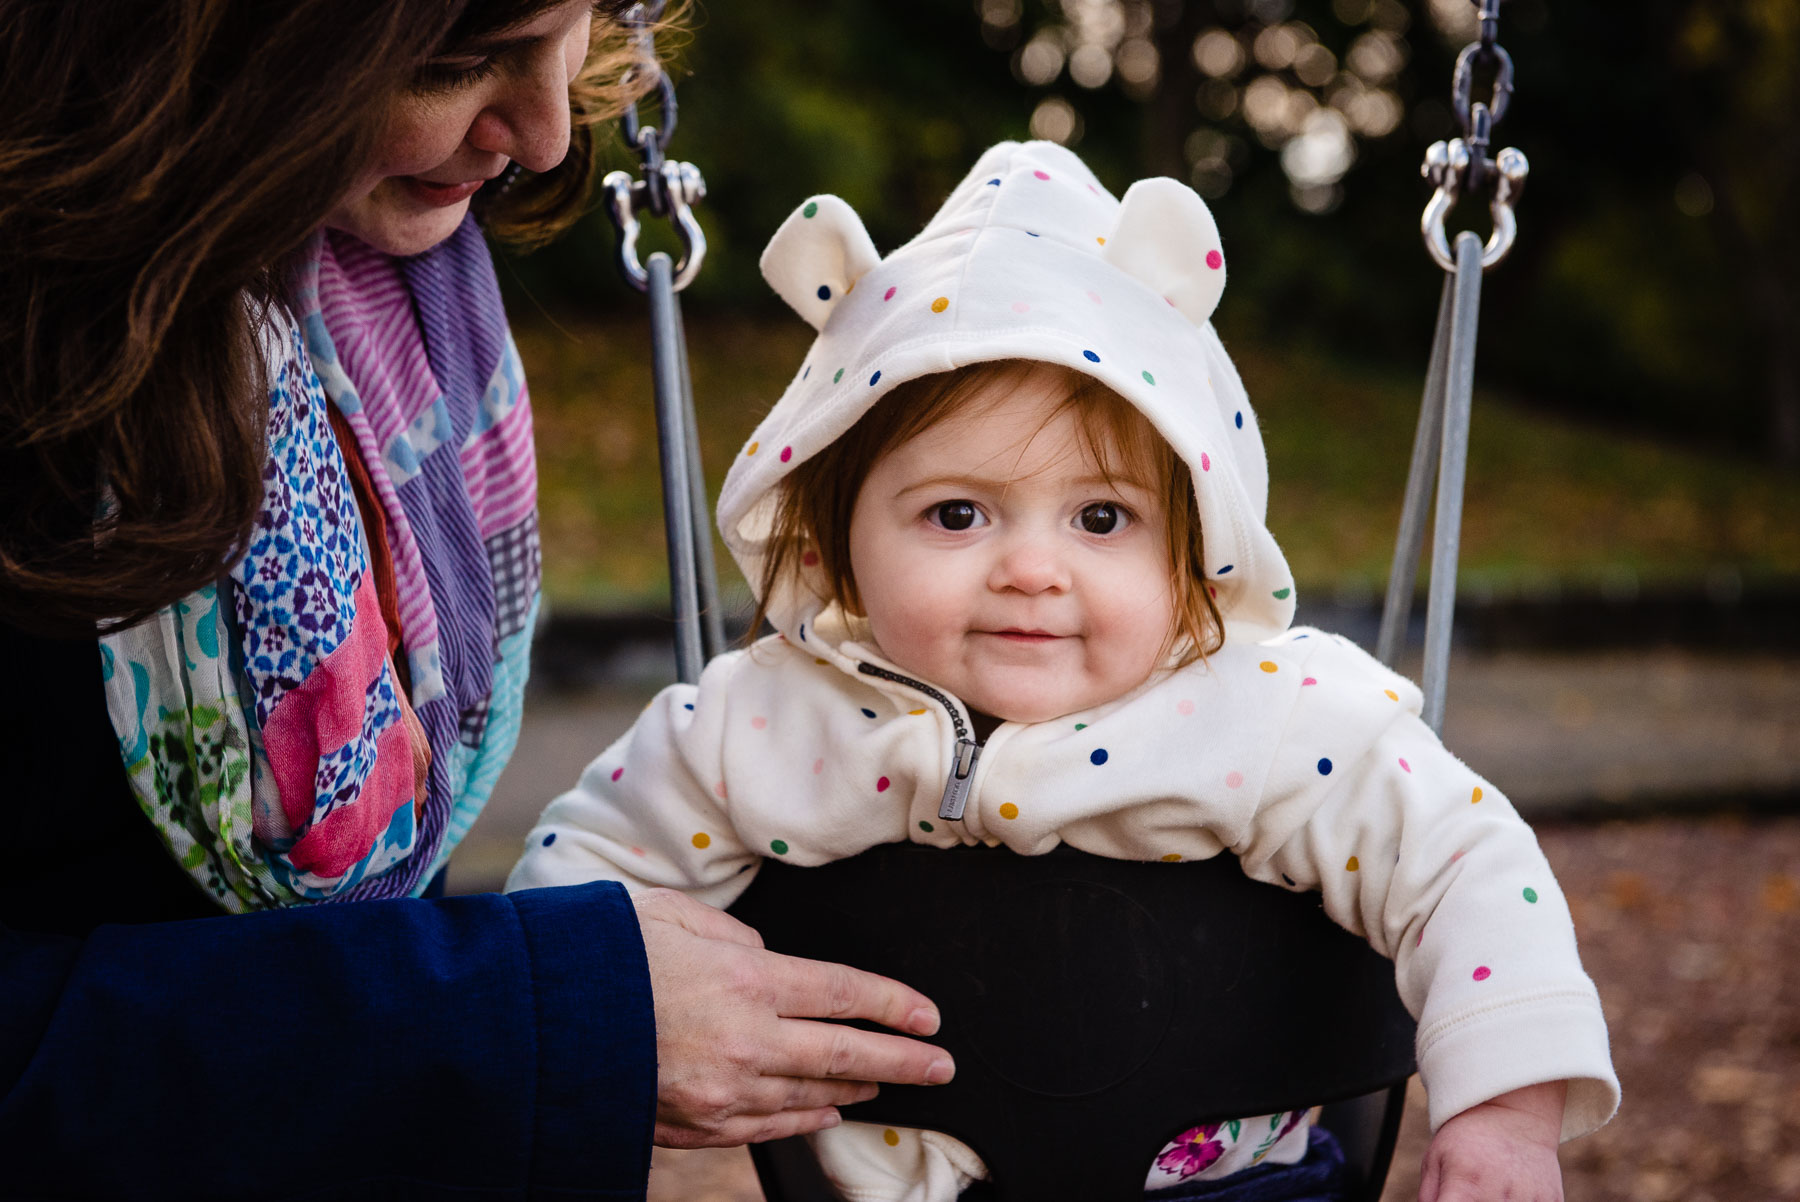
{"points": [[1692, 930]]}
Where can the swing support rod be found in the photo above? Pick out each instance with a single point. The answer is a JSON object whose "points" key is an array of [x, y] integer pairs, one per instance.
{"points": [[1441, 442], [1440, 448], [669, 190]]}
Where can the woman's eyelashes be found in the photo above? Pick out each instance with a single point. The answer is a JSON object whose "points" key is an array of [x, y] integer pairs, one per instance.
{"points": [[449, 75]]}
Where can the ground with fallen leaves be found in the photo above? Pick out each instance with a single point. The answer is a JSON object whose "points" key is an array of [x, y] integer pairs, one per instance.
{"points": [[1692, 930]]}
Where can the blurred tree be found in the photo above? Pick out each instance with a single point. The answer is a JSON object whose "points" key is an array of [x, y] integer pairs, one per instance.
{"points": [[1653, 283]]}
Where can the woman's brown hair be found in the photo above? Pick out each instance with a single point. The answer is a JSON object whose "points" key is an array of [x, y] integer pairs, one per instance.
{"points": [[161, 162], [816, 502]]}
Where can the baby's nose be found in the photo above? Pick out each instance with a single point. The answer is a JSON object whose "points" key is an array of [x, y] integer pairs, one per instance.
{"points": [[1030, 566]]}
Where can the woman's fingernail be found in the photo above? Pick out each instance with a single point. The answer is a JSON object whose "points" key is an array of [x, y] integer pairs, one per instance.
{"points": [[923, 1021], [868, 1091], [831, 1120], [939, 1072]]}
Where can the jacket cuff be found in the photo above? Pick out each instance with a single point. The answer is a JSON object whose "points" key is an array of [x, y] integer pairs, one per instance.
{"points": [[596, 1050], [1476, 1056]]}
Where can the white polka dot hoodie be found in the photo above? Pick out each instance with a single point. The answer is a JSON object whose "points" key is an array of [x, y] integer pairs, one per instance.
{"points": [[1289, 747]]}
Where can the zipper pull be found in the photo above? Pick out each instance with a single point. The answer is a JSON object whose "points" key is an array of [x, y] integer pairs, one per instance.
{"points": [[962, 777]]}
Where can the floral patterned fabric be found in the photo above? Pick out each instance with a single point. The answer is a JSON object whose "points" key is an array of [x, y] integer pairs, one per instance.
{"points": [[260, 720], [267, 744], [1215, 1150]]}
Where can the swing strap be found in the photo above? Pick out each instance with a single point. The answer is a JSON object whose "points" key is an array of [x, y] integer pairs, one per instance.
{"points": [[669, 190]]}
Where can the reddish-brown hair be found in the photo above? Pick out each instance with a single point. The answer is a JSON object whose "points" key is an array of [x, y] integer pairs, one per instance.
{"points": [[160, 163], [816, 501]]}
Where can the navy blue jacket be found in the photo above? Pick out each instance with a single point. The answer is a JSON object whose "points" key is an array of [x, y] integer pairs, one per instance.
{"points": [[472, 1048]]}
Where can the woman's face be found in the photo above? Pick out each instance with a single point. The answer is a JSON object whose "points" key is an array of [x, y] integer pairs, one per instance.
{"points": [[500, 99]]}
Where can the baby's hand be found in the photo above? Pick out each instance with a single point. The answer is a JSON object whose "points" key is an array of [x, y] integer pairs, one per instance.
{"points": [[1503, 1150]]}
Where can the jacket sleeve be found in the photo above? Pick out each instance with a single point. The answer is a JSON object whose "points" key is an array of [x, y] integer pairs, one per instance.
{"points": [[1411, 849], [652, 810], [474, 1047]]}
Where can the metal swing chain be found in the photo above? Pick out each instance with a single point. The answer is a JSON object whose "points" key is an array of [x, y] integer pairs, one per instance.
{"points": [[1441, 443], [670, 190], [1461, 166]]}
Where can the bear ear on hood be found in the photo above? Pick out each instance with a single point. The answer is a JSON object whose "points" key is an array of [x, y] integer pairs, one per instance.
{"points": [[1166, 238], [816, 257]]}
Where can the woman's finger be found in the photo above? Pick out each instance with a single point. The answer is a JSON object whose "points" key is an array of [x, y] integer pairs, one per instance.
{"points": [[811, 1093], [835, 1051], [815, 989]]}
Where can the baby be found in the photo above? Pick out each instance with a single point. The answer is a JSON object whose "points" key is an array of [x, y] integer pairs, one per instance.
{"points": [[1008, 522]]}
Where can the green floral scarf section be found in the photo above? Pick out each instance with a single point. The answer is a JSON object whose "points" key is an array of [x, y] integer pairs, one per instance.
{"points": [[188, 750]]}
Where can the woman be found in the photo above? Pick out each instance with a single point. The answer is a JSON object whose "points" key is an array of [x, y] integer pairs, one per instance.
{"points": [[261, 429]]}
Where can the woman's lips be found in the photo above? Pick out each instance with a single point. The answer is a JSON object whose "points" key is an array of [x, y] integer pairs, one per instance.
{"points": [[441, 195]]}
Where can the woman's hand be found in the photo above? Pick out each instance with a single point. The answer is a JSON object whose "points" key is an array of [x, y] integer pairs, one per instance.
{"points": [[1503, 1149], [737, 1060]]}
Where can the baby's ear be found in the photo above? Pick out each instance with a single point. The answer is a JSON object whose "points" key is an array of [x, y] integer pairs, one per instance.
{"points": [[1166, 238], [816, 257]]}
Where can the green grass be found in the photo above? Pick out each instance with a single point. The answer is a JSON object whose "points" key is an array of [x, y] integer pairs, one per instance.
{"points": [[1547, 500]]}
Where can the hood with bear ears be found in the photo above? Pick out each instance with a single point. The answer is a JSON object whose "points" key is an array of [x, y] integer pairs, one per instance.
{"points": [[1029, 258]]}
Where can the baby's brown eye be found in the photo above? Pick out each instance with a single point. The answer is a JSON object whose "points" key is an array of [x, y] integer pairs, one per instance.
{"points": [[957, 515], [1101, 518]]}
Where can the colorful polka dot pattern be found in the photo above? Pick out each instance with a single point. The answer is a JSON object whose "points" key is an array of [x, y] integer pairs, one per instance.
{"points": [[1009, 811], [778, 846], [702, 840]]}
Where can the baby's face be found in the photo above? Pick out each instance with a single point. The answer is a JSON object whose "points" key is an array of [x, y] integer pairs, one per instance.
{"points": [[994, 560]]}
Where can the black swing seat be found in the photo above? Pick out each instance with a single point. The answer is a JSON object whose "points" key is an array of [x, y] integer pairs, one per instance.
{"points": [[1097, 1008]]}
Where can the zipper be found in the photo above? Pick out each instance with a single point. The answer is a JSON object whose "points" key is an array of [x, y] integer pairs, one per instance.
{"points": [[968, 751]]}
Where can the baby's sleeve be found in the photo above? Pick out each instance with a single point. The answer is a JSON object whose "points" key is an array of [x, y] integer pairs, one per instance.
{"points": [[1411, 849], [650, 811]]}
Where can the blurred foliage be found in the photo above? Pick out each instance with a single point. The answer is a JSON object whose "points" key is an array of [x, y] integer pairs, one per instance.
{"points": [[1551, 503], [1653, 281]]}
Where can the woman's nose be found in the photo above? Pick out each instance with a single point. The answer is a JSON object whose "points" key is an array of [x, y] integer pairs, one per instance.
{"points": [[1030, 565], [528, 120]]}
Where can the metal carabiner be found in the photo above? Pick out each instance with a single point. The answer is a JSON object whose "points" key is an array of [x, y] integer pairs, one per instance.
{"points": [[683, 186], [1446, 166]]}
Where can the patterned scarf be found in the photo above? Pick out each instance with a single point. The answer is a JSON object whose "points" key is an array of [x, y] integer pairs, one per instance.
{"points": [[259, 721]]}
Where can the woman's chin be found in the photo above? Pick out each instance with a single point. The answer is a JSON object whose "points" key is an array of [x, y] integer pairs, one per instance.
{"points": [[396, 225]]}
